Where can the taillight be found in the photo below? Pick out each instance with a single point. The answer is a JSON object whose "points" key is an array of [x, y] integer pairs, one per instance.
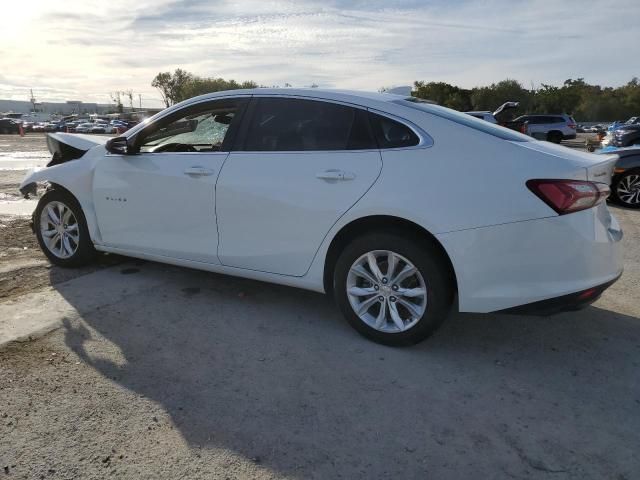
{"points": [[568, 196], [572, 125]]}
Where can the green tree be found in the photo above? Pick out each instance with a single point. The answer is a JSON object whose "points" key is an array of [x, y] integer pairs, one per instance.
{"points": [[491, 97], [182, 85], [199, 86], [172, 86], [443, 94]]}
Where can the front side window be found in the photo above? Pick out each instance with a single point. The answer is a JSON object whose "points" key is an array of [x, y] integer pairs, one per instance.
{"points": [[289, 124], [199, 129]]}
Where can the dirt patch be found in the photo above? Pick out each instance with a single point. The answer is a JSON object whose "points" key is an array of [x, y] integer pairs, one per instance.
{"points": [[23, 266]]}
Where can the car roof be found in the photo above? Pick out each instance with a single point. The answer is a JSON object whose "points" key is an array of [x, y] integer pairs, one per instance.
{"points": [[362, 98], [324, 93]]}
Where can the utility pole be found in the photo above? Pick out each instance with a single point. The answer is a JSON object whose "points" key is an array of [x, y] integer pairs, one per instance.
{"points": [[140, 100], [32, 100]]}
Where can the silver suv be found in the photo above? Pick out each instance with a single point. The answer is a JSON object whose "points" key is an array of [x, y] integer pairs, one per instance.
{"points": [[553, 128]]}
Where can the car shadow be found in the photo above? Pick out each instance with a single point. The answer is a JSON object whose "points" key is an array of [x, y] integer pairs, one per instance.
{"points": [[274, 373]]}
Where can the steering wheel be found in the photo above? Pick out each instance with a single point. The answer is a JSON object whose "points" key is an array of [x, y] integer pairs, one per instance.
{"points": [[175, 147]]}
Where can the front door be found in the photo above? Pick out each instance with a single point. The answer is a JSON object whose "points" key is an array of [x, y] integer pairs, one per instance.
{"points": [[162, 199], [302, 165]]}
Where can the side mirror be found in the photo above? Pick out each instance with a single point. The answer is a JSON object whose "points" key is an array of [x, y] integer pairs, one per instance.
{"points": [[118, 146]]}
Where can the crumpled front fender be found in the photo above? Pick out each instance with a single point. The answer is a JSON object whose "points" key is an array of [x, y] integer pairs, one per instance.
{"points": [[77, 178]]}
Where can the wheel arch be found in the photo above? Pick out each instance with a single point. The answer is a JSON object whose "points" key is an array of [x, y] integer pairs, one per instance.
{"points": [[372, 223]]}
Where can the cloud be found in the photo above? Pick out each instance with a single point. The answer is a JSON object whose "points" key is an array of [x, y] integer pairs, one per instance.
{"points": [[84, 50]]}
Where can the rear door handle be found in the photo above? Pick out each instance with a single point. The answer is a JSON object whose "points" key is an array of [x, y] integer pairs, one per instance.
{"points": [[198, 171], [335, 175]]}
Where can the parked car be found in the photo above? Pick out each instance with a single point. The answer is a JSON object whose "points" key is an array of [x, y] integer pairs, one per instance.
{"points": [[487, 116], [288, 186], [102, 128], [553, 128], [625, 183], [492, 117], [625, 135], [8, 125], [621, 134], [596, 129], [84, 127]]}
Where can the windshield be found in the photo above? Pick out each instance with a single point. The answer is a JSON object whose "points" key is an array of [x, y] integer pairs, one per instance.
{"points": [[464, 119]]}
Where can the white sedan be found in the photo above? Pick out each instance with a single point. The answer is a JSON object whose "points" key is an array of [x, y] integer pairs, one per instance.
{"points": [[401, 210]]}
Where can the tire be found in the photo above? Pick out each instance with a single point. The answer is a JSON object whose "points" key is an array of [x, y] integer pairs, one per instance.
{"points": [[432, 276], [78, 249], [554, 137], [625, 189]]}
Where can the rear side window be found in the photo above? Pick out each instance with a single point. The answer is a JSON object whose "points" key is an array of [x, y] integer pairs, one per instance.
{"points": [[392, 134], [289, 124]]}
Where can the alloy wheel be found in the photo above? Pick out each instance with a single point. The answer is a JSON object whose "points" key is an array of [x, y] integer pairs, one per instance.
{"points": [[59, 229], [628, 189], [386, 291]]}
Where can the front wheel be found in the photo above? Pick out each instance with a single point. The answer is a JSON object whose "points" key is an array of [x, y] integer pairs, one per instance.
{"points": [[391, 289], [61, 230], [626, 189]]}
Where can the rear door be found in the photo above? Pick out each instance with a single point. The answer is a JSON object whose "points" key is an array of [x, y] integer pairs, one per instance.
{"points": [[301, 165]]}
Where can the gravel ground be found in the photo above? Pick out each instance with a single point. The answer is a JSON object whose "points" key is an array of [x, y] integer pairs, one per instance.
{"points": [[23, 267], [207, 376]]}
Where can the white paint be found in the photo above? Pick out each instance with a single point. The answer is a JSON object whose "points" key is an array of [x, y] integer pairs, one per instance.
{"points": [[276, 219]]}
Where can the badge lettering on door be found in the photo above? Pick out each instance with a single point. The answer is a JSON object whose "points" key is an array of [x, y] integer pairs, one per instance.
{"points": [[114, 199]]}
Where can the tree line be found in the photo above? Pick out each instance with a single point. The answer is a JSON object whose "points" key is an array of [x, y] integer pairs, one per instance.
{"points": [[181, 85], [586, 102]]}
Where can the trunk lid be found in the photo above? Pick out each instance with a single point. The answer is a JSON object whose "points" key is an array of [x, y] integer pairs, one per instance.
{"points": [[598, 168]]}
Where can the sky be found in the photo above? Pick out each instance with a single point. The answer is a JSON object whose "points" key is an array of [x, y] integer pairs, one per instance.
{"points": [[83, 50]]}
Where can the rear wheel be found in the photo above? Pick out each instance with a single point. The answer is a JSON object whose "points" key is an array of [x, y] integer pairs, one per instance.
{"points": [[61, 230], [392, 290], [626, 189], [554, 137]]}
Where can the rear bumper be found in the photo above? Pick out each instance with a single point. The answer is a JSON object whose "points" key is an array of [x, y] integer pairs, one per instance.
{"points": [[518, 264], [564, 303]]}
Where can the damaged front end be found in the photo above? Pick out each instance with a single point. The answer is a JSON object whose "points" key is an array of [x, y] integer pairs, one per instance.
{"points": [[62, 152], [64, 148], [29, 189]]}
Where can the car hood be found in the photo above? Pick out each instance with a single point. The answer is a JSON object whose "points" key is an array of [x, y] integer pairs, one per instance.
{"points": [[70, 146], [628, 126], [76, 140]]}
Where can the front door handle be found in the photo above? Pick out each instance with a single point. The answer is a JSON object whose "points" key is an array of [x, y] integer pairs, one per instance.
{"points": [[335, 175], [198, 171]]}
